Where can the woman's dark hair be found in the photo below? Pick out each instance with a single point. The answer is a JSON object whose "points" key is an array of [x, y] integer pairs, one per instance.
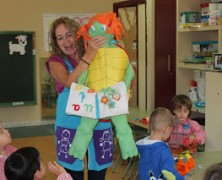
{"points": [[213, 172], [22, 164]]}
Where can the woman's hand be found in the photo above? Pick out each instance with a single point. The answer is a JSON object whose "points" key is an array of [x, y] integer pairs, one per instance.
{"points": [[93, 44], [56, 168]]}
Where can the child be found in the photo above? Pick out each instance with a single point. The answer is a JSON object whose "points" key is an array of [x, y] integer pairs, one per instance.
{"points": [[5, 149], [213, 172], [25, 164], [156, 160], [184, 128]]}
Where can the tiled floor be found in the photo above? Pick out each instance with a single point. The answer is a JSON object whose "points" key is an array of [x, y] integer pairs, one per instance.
{"points": [[42, 137]]}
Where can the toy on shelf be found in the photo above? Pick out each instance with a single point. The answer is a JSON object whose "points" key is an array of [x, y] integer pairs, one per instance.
{"points": [[185, 163]]}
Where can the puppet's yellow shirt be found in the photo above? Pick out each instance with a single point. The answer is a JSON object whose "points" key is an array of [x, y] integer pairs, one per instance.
{"points": [[107, 68]]}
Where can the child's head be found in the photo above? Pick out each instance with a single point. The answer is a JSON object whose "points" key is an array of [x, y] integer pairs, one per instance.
{"points": [[161, 122], [213, 172], [24, 164], [181, 107], [5, 137]]}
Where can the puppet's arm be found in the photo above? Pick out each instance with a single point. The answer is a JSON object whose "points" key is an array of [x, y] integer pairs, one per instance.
{"points": [[83, 77], [129, 76]]}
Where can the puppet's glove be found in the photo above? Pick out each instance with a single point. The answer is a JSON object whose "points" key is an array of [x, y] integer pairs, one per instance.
{"points": [[125, 137], [82, 138], [168, 175]]}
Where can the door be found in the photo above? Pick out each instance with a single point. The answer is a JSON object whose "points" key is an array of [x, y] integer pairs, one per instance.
{"points": [[165, 52], [133, 16]]}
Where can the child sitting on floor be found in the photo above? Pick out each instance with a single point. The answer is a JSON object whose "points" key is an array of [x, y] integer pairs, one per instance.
{"points": [[25, 164], [156, 160], [5, 149], [185, 130]]}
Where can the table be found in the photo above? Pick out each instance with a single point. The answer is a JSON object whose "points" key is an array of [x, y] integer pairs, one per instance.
{"points": [[136, 114], [204, 160]]}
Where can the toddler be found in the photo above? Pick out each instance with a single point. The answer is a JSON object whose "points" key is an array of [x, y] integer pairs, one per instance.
{"points": [[25, 164], [185, 130], [5, 149], [156, 161]]}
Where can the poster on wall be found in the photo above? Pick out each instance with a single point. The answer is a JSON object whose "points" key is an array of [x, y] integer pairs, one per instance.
{"points": [[17, 68], [82, 19]]}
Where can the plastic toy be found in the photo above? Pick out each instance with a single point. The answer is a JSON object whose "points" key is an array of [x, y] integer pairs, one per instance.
{"points": [[145, 120], [185, 164], [192, 148], [109, 66]]}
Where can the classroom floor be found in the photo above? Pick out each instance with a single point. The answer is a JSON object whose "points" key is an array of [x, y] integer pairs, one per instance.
{"points": [[42, 137]]}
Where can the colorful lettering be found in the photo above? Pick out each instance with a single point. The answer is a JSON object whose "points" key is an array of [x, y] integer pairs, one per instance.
{"points": [[76, 107]]}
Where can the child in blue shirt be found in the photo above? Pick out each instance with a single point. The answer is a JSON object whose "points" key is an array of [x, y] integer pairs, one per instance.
{"points": [[156, 160]]}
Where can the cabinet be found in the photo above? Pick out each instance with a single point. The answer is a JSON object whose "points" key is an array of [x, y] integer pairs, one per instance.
{"points": [[213, 110], [185, 71], [165, 50]]}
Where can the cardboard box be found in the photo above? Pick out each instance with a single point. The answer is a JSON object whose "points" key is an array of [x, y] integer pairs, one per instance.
{"points": [[202, 49], [189, 17]]}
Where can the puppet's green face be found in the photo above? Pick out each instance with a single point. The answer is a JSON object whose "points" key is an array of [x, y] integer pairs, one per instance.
{"points": [[98, 29]]}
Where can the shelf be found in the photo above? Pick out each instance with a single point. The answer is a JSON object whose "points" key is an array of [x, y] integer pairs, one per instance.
{"points": [[191, 66], [210, 89], [203, 28], [204, 67]]}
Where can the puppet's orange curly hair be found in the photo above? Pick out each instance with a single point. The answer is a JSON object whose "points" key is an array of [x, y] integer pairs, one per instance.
{"points": [[113, 24]]}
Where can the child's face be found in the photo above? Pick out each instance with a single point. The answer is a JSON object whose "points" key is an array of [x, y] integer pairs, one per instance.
{"points": [[167, 132], [181, 114], [5, 137]]}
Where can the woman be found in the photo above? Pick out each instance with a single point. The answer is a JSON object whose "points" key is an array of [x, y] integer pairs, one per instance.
{"points": [[66, 63]]}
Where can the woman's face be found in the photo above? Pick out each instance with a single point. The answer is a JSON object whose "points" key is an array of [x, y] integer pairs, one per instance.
{"points": [[65, 40]]}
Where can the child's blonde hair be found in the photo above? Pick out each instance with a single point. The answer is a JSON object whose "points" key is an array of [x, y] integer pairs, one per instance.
{"points": [[161, 117]]}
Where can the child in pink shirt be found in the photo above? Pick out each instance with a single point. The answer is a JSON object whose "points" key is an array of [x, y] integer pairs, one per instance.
{"points": [[184, 129], [5, 149]]}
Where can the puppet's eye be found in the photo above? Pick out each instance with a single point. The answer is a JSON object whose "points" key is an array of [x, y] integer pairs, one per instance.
{"points": [[92, 28], [104, 28]]}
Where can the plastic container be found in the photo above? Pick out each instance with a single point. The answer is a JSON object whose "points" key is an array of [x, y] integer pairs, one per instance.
{"points": [[203, 49], [189, 17], [204, 9]]}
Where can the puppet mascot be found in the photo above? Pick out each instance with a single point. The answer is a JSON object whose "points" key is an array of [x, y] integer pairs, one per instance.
{"points": [[110, 66]]}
